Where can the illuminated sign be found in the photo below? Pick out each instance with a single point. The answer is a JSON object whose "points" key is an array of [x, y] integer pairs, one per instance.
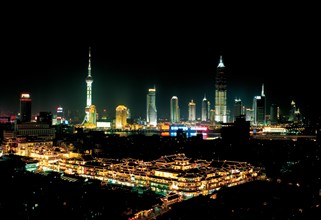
{"points": [[101, 124]]}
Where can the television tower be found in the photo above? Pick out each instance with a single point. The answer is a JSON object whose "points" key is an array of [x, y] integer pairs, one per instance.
{"points": [[89, 81]]}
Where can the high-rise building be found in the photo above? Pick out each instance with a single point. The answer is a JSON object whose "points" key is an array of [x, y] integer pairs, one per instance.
{"points": [[25, 107], [209, 110], [60, 115], [249, 115], [292, 111], [220, 93], [89, 81], [295, 115], [274, 114], [151, 111], [212, 115], [259, 108], [206, 108], [238, 107], [121, 117], [192, 110], [174, 111]]}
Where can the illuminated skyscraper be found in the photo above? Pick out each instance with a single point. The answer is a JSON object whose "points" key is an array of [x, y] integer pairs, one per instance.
{"points": [[151, 111], [121, 116], [89, 81], [60, 115], [174, 111], [259, 104], [205, 109], [238, 108], [220, 93], [191, 111], [292, 111], [25, 107], [249, 115]]}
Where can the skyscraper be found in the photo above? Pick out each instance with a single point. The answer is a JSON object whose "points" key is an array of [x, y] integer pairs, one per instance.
{"points": [[89, 81], [292, 111], [259, 108], [174, 111], [25, 107], [205, 109], [60, 115], [151, 111], [274, 114], [191, 111], [121, 116], [220, 93], [238, 108]]}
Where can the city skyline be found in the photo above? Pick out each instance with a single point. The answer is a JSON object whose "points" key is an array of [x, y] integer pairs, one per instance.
{"points": [[52, 65]]}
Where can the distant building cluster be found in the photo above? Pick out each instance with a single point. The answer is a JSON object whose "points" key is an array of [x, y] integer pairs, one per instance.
{"points": [[211, 116]]}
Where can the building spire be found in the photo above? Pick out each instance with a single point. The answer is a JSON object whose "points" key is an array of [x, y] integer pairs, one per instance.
{"points": [[262, 93], [221, 64], [204, 99], [89, 64]]}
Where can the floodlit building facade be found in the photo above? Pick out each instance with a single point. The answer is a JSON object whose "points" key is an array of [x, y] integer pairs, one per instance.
{"points": [[259, 106], [206, 108], [25, 107], [151, 110], [121, 117], [192, 110], [220, 93], [174, 110]]}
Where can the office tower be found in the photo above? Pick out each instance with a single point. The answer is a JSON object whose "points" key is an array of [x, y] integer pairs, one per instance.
{"points": [[292, 112], [174, 111], [25, 107], [295, 115], [206, 108], [259, 104], [274, 114], [249, 115], [220, 93], [89, 81], [209, 110], [238, 108], [212, 115], [60, 115], [151, 111], [191, 111], [121, 116]]}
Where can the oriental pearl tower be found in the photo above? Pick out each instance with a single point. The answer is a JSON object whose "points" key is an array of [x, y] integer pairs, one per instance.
{"points": [[89, 81]]}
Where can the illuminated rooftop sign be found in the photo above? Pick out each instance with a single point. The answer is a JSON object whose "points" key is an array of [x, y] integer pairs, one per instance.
{"points": [[25, 96]]}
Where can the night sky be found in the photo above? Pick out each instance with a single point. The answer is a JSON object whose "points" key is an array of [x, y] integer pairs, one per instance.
{"points": [[46, 54]]}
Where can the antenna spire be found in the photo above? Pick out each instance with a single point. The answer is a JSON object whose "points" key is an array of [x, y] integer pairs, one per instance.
{"points": [[89, 63]]}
